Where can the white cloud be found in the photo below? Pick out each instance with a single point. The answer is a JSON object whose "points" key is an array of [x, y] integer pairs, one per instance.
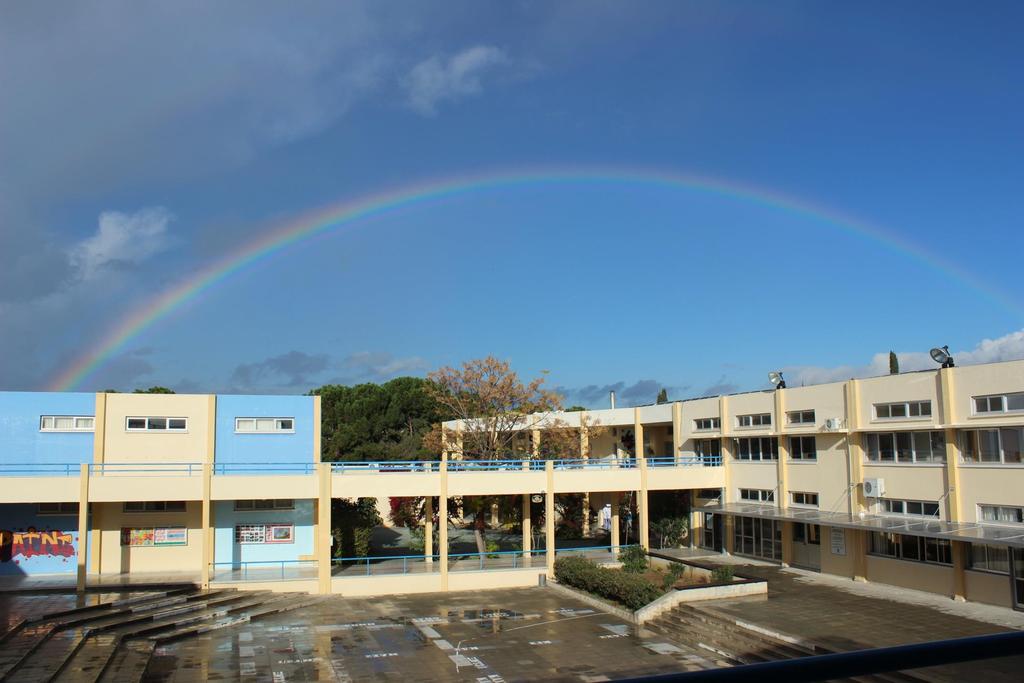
{"points": [[436, 79], [1007, 347], [122, 239]]}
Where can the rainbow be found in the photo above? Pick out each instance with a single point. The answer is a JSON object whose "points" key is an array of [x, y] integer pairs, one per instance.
{"points": [[351, 211]]}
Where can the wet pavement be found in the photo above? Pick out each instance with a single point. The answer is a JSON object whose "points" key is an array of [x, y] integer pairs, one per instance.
{"points": [[500, 635]]}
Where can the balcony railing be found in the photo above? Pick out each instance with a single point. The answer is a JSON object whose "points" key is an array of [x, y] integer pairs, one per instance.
{"points": [[494, 465], [264, 468], [385, 466], [685, 460], [145, 469], [264, 570], [36, 469]]}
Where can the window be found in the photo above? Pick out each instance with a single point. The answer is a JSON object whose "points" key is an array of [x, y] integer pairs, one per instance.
{"points": [[803, 498], [710, 494], [907, 447], [908, 508], [800, 417], [992, 445], [1002, 403], [990, 558], [66, 423], [803, 448], [278, 504], [708, 450], [758, 537], [58, 509], [757, 495], [156, 424], [154, 506], [757, 448], [759, 420], [706, 424], [265, 425], [903, 411], [1001, 514], [916, 548]]}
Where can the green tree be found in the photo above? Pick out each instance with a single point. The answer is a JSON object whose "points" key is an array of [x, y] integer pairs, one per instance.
{"points": [[154, 390], [894, 364], [662, 396]]}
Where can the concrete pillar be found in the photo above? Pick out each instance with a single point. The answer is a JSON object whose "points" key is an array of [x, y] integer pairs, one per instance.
{"points": [[948, 412], [782, 465], [527, 530], [428, 529], [99, 445], [83, 525], [323, 529], [861, 541], [616, 534], [442, 521], [677, 429], [959, 550], [206, 530], [549, 517]]}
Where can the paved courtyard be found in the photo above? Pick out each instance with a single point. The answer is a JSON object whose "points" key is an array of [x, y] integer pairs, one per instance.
{"points": [[501, 635]]}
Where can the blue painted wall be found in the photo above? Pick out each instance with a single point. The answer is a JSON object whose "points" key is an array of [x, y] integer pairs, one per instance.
{"points": [[259, 448], [20, 438], [30, 556], [225, 519]]}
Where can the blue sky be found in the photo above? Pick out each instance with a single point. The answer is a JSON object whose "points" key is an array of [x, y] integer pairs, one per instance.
{"points": [[144, 142]]}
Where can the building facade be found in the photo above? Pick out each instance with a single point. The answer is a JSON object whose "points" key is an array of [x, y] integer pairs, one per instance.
{"points": [[914, 480]]}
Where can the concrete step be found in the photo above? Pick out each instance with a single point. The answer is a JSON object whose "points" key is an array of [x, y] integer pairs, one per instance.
{"points": [[20, 647], [128, 663], [279, 605], [48, 659]]}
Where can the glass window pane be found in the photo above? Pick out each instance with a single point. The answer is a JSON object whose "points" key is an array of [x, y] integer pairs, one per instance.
{"points": [[969, 446], [47, 423], [290, 424], [882, 411], [136, 423], [176, 423], [910, 547], [988, 442], [244, 425], [923, 446], [887, 447], [83, 423], [898, 410], [938, 440], [264, 425], [904, 452], [1015, 402], [931, 509], [913, 507], [157, 423], [915, 409], [64, 423], [926, 408], [1011, 444]]}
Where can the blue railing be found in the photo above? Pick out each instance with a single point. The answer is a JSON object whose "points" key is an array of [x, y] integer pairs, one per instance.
{"points": [[494, 465], [261, 570], [386, 466], [181, 469], [688, 460], [591, 548], [40, 469], [257, 468], [386, 564], [499, 559]]}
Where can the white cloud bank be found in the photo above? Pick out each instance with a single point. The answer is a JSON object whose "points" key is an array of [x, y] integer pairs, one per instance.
{"points": [[1007, 347], [122, 239], [435, 79]]}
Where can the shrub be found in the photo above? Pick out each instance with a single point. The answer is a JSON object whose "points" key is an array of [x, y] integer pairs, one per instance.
{"points": [[629, 590], [634, 560], [675, 572], [722, 574]]}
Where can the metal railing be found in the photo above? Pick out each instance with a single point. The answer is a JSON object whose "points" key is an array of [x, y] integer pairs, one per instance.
{"points": [[40, 469], [498, 559], [685, 460], [264, 468], [383, 565], [262, 570], [386, 466], [610, 549], [494, 465], [181, 469]]}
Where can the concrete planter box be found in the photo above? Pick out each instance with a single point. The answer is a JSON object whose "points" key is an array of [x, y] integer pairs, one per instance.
{"points": [[740, 586]]}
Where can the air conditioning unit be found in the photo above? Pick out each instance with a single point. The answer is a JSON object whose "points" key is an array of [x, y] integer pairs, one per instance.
{"points": [[834, 423], [874, 488]]}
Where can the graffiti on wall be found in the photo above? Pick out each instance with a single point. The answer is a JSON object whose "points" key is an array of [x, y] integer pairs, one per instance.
{"points": [[31, 542]]}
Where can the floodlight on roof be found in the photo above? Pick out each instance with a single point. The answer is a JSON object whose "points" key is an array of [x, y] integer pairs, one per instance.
{"points": [[942, 356], [776, 379]]}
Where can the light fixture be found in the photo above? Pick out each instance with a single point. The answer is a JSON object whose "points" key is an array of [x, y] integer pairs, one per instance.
{"points": [[942, 357], [776, 379], [537, 498]]}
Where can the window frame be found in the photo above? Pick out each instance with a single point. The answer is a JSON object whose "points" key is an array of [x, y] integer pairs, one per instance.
{"points": [[150, 507], [763, 496], [754, 420], [907, 407], [1000, 522], [988, 547], [905, 503], [274, 504], [166, 429], [970, 442], [63, 509], [738, 442], [806, 498], [922, 545], [715, 422], [802, 414], [803, 457], [256, 420], [873, 445], [74, 423], [1004, 399]]}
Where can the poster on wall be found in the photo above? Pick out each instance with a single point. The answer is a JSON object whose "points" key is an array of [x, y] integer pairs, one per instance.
{"points": [[838, 538], [150, 536], [175, 535], [280, 533]]}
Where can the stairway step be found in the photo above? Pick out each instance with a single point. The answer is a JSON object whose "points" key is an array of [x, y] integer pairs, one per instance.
{"points": [[129, 662], [285, 603], [20, 647], [47, 660]]}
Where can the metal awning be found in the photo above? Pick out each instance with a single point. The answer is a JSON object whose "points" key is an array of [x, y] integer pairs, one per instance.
{"points": [[913, 526]]}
